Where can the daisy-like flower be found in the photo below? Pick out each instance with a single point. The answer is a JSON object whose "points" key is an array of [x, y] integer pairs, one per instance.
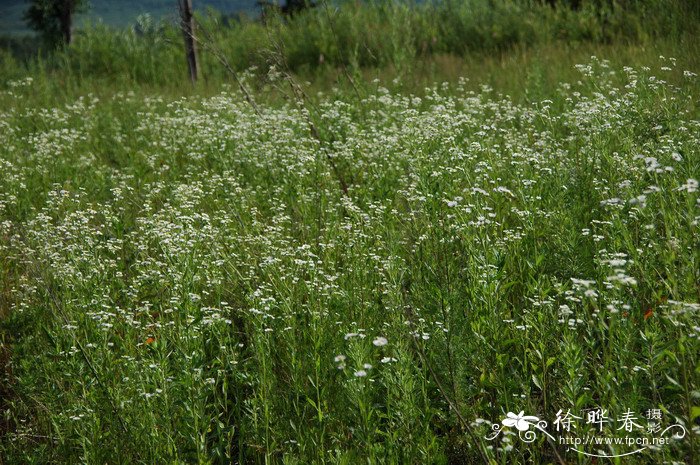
{"points": [[360, 373], [521, 421], [691, 185], [380, 341]]}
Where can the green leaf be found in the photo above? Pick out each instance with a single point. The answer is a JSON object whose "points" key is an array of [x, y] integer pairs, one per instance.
{"points": [[673, 381], [694, 412], [536, 381]]}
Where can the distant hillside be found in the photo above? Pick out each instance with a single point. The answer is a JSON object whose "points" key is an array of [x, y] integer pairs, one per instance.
{"points": [[118, 13]]}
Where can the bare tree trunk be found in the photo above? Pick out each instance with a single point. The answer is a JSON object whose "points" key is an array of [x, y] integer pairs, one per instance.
{"points": [[66, 20], [187, 25]]}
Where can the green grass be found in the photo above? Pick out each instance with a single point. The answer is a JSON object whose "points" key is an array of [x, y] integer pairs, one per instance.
{"points": [[181, 275], [357, 36], [184, 280]]}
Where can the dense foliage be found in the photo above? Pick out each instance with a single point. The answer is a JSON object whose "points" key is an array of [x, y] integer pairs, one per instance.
{"points": [[53, 19], [354, 34], [188, 281], [368, 267]]}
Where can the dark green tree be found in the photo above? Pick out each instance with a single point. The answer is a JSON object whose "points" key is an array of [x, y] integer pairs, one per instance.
{"points": [[53, 19]]}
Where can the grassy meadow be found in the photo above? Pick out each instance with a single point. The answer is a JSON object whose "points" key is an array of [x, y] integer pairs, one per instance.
{"points": [[429, 217]]}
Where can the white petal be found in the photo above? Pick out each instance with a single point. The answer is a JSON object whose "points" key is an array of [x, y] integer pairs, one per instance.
{"points": [[509, 422], [522, 425]]}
